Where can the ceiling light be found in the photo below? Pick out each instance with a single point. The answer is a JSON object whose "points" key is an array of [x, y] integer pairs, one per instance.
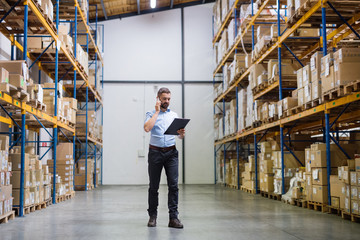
{"points": [[152, 3]]}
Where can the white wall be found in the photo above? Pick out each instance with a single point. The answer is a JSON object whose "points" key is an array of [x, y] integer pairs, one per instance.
{"points": [[145, 48]]}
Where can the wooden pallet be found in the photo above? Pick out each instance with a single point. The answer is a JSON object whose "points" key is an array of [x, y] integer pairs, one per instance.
{"points": [[37, 104], [300, 203], [335, 210], [352, 87], [333, 94], [7, 216], [252, 191], [318, 206], [48, 202], [40, 206], [350, 216], [272, 119], [231, 186], [27, 210], [60, 199], [264, 194], [7, 88], [275, 196], [316, 102], [256, 124], [291, 201], [293, 111]]}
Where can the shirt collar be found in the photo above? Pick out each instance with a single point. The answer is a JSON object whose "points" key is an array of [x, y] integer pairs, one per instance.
{"points": [[167, 110]]}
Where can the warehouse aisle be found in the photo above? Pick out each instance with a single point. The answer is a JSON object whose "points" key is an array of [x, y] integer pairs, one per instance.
{"points": [[208, 212]]}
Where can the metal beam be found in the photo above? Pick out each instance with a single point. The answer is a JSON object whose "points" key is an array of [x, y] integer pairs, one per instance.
{"points": [[171, 4], [156, 82], [160, 9], [104, 10]]}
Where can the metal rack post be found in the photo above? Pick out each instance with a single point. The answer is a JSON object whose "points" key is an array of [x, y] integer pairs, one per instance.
{"points": [[256, 163]]}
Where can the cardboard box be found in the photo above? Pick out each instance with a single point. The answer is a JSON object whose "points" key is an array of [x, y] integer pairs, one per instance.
{"points": [[335, 202], [346, 72], [328, 81], [299, 78], [319, 176], [307, 93], [354, 207], [320, 194], [306, 75], [16, 67], [5, 192], [289, 102], [34, 43], [353, 178], [315, 89], [267, 166], [345, 55], [4, 75], [301, 97], [17, 80], [318, 159], [15, 159], [15, 179], [347, 207], [354, 193]]}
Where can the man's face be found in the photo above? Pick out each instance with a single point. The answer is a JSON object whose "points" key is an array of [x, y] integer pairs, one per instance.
{"points": [[165, 100]]}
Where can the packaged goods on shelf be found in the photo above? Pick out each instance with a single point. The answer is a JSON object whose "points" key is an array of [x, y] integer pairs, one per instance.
{"points": [[287, 68], [290, 7], [6, 192], [48, 8], [93, 124], [225, 7], [92, 78], [226, 76], [64, 166], [274, 30], [327, 73], [249, 107], [307, 32], [258, 74], [82, 57], [84, 5], [242, 105], [18, 72], [232, 32], [36, 92], [80, 173], [248, 175], [346, 66], [217, 16]]}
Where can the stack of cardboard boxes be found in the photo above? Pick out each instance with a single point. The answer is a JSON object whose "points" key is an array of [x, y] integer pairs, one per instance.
{"points": [[84, 174], [248, 175], [6, 193], [36, 178], [82, 57], [16, 73], [93, 129], [266, 165], [316, 170], [64, 168]]}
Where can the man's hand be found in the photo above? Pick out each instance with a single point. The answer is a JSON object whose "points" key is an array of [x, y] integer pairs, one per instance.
{"points": [[181, 133], [157, 105]]}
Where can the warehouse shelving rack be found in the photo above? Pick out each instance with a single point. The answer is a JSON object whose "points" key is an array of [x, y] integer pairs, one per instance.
{"points": [[342, 113], [17, 18]]}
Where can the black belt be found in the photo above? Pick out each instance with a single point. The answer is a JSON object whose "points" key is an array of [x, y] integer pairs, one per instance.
{"points": [[162, 149]]}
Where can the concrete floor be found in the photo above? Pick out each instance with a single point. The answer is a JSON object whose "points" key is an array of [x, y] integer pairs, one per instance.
{"points": [[207, 211]]}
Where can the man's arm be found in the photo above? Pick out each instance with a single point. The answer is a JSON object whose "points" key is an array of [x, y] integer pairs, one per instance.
{"points": [[151, 122]]}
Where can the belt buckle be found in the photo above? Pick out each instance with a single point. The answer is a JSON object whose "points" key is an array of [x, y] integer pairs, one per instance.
{"points": [[163, 149]]}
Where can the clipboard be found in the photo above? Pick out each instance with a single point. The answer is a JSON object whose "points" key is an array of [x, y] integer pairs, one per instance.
{"points": [[176, 125]]}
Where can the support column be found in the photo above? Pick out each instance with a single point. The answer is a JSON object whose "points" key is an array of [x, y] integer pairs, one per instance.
{"points": [[282, 159], [22, 171], [328, 156], [256, 163]]}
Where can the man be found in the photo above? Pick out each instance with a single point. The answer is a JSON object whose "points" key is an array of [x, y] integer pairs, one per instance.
{"points": [[162, 153]]}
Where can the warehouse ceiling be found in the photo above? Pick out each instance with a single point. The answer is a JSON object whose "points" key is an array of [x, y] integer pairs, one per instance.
{"points": [[111, 9]]}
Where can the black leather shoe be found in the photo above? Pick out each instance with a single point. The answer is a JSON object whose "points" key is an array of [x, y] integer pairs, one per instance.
{"points": [[152, 222], [175, 223]]}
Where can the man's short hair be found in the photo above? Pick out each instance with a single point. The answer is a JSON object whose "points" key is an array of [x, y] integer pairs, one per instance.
{"points": [[163, 90]]}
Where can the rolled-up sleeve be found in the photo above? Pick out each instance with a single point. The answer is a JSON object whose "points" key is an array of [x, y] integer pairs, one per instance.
{"points": [[148, 116]]}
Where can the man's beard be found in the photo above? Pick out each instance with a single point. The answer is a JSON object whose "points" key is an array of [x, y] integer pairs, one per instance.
{"points": [[164, 105]]}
